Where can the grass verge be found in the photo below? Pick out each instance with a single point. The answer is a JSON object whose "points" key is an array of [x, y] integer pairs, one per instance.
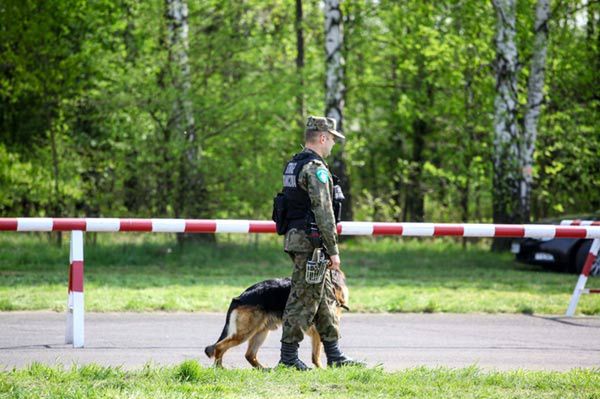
{"points": [[130, 272], [189, 379]]}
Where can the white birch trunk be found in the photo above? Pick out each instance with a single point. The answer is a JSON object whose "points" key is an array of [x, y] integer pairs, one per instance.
{"points": [[535, 98], [335, 90], [190, 191], [300, 64], [177, 17], [507, 163], [334, 83]]}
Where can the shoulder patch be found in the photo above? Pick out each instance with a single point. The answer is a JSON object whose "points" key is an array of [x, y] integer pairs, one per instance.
{"points": [[322, 175]]}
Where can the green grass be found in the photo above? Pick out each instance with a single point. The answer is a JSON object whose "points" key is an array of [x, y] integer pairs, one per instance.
{"points": [[130, 272], [190, 380]]}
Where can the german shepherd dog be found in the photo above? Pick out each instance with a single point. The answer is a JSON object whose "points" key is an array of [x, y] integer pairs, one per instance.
{"points": [[258, 310]]}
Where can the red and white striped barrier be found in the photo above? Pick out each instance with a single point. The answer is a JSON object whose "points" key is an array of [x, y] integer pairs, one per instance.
{"points": [[578, 222], [259, 226], [587, 266], [75, 309]]}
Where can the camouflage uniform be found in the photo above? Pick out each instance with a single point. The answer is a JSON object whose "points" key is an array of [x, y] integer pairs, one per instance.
{"points": [[310, 303]]}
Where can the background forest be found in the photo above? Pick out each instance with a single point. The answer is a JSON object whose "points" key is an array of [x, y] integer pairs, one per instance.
{"points": [[191, 108]]}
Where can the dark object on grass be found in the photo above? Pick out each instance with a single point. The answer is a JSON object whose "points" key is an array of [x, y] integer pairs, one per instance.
{"points": [[565, 255]]}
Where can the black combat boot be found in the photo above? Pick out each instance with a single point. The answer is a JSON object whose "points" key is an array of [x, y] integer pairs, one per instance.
{"points": [[335, 357], [289, 357]]}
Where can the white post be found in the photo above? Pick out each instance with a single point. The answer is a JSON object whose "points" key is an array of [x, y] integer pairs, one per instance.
{"points": [[585, 272], [579, 287], [74, 334]]}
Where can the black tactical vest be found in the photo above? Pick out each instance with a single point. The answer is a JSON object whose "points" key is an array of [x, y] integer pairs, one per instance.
{"points": [[297, 200]]}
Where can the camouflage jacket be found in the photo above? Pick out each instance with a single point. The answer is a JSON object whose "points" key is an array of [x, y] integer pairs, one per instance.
{"points": [[316, 179]]}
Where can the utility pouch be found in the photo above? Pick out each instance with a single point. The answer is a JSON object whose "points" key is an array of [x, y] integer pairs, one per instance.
{"points": [[316, 267], [280, 213]]}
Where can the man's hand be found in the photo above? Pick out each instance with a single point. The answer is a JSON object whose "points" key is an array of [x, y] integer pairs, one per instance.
{"points": [[335, 262]]}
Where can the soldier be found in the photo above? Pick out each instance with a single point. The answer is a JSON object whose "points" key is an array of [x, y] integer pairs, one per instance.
{"points": [[309, 197]]}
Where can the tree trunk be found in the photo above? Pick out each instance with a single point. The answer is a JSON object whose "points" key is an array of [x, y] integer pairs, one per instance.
{"points": [[414, 205], [469, 140], [128, 33], [300, 63], [397, 139], [593, 33], [414, 208], [177, 18], [182, 119], [190, 199], [507, 171], [163, 149], [535, 98], [335, 92], [57, 206]]}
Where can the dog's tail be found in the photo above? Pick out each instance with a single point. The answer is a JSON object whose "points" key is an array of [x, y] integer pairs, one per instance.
{"points": [[210, 350]]}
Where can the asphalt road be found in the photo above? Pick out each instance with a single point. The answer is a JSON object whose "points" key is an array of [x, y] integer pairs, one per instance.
{"points": [[396, 341]]}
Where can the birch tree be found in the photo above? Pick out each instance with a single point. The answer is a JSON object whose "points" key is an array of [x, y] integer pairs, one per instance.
{"points": [[300, 62], [507, 176], [535, 98], [335, 91], [189, 185]]}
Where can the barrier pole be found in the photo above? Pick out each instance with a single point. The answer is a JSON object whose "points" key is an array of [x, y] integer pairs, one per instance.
{"points": [[75, 310], [585, 272]]}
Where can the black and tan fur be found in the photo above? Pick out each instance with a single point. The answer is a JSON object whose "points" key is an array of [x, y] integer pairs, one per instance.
{"points": [[258, 310]]}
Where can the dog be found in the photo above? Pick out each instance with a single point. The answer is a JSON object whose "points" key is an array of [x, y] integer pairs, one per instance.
{"points": [[259, 310]]}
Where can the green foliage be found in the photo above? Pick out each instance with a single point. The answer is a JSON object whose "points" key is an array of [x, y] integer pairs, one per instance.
{"points": [[87, 100]]}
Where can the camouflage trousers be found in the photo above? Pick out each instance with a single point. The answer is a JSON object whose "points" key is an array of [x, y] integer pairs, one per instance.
{"points": [[308, 304]]}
